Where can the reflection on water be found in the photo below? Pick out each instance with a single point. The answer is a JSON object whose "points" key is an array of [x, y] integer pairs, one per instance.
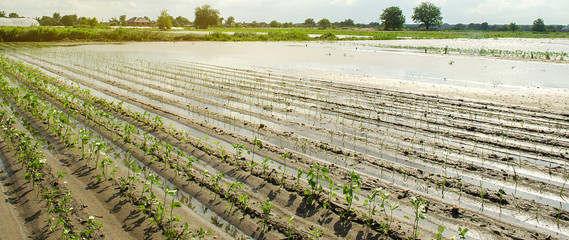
{"points": [[322, 59]]}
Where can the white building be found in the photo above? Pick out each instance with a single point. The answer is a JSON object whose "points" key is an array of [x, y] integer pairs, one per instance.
{"points": [[18, 22]]}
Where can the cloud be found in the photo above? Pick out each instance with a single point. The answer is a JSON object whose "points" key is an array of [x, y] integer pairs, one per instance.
{"points": [[343, 2]]}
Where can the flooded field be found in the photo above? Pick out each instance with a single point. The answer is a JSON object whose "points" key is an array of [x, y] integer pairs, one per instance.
{"points": [[347, 139]]}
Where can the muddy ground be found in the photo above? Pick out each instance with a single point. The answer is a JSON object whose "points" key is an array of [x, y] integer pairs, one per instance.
{"points": [[497, 169]]}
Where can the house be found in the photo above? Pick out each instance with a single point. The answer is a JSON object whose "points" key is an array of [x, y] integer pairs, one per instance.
{"points": [[140, 22]]}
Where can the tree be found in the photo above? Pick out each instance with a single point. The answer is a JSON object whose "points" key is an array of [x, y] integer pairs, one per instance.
{"points": [[2, 14], [230, 21], [122, 20], [392, 17], [309, 22], [164, 21], [538, 25], [92, 22], [56, 16], [324, 23], [513, 27], [275, 24], [13, 15], [182, 21], [458, 26], [348, 23], [206, 16], [484, 26], [427, 14], [69, 20], [47, 21]]}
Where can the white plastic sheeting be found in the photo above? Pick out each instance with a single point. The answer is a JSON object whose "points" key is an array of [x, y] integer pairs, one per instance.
{"points": [[18, 22]]}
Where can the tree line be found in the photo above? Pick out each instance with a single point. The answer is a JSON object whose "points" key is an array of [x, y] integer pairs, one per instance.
{"points": [[426, 15]]}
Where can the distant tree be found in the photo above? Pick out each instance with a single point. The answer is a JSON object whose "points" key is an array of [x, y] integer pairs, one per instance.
{"points": [[287, 25], [164, 21], [206, 16], [47, 21], [69, 20], [2, 14], [484, 26], [91, 22], [173, 21], [56, 17], [427, 14], [13, 15], [309, 22], [230, 21], [112, 22], [513, 27], [458, 27], [392, 17], [182, 21], [538, 25], [324, 23], [473, 26], [348, 23], [373, 25], [122, 20], [274, 24]]}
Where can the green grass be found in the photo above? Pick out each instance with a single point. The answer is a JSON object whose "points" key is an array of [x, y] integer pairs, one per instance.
{"points": [[54, 34], [395, 34]]}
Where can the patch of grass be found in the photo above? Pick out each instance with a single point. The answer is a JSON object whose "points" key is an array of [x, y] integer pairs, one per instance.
{"points": [[65, 34]]}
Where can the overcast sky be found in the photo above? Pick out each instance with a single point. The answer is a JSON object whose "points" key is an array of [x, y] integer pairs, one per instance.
{"points": [[361, 11]]}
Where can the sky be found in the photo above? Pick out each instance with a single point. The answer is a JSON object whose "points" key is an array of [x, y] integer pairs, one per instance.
{"points": [[296, 11]]}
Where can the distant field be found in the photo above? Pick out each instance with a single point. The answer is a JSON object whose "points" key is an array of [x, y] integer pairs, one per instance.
{"points": [[397, 34]]}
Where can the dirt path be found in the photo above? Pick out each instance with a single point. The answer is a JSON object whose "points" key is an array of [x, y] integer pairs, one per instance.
{"points": [[12, 226]]}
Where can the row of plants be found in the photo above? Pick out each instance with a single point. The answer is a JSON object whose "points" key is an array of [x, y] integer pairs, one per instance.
{"points": [[458, 177], [445, 185], [51, 34], [313, 176], [476, 195], [500, 53], [29, 153], [93, 152]]}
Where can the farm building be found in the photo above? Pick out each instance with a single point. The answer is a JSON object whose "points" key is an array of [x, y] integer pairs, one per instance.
{"points": [[18, 22], [140, 22]]}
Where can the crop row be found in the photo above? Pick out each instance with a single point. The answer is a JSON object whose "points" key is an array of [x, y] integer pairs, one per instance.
{"points": [[315, 176], [159, 84]]}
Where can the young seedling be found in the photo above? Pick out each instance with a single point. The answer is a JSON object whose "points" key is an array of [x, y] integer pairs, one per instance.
{"points": [[214, 181], [316, 234], [371, 204], [439, 235], [266, 207], [462, 233], [299, 172], [419, 207], [283, 171], [314, 176], [289, 228], [231, 193], [388, 217], [331, 192], [350, 190], [265, 165]]}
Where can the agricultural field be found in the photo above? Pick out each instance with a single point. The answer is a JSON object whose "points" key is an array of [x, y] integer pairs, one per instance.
{"points": [[118, 145]]}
